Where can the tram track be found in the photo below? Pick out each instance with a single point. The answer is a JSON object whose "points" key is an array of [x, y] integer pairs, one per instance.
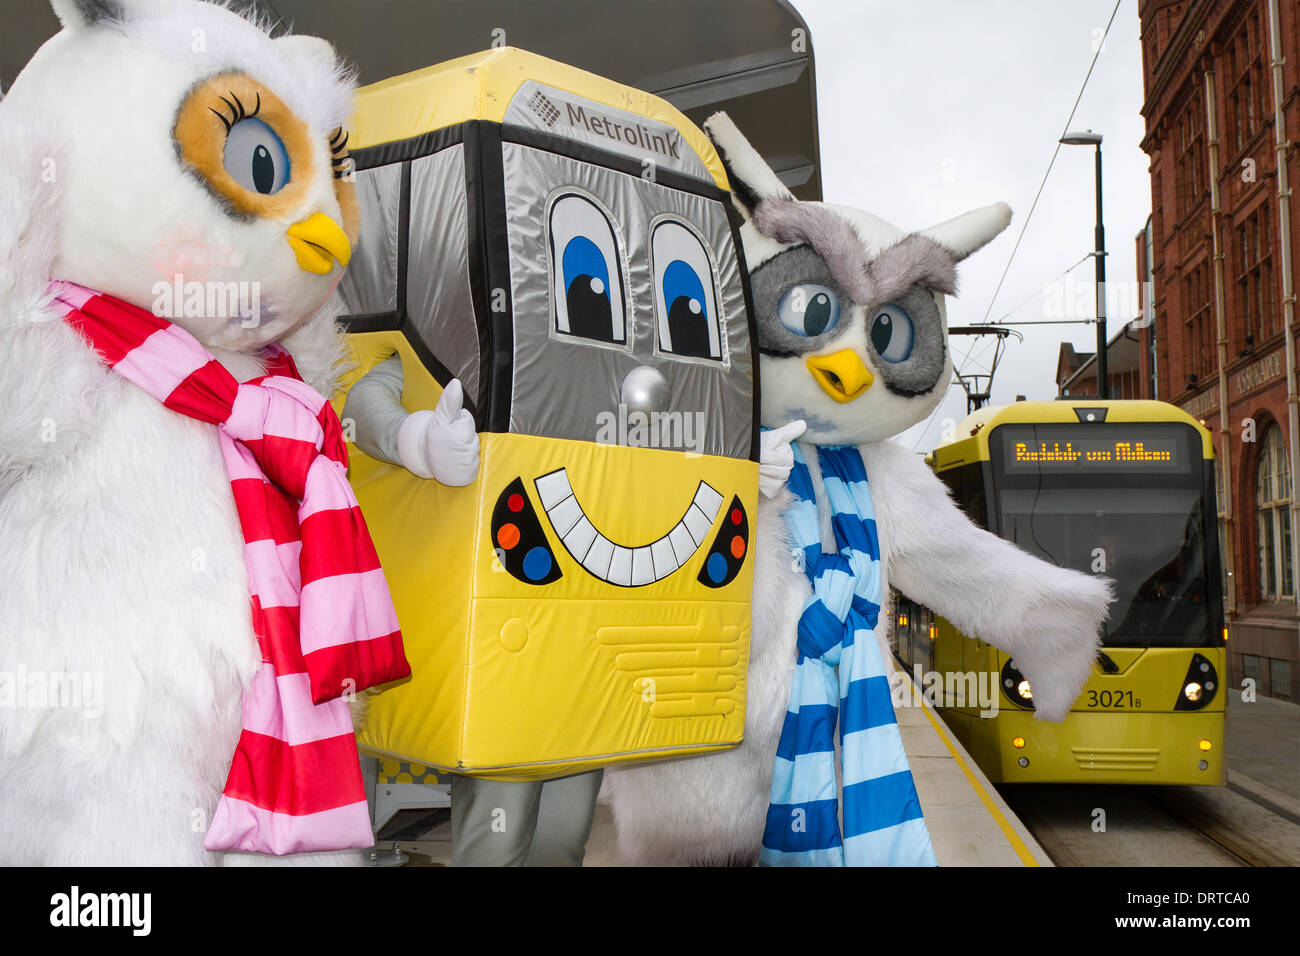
{"points": [[1197, 810], [1103, 825]]}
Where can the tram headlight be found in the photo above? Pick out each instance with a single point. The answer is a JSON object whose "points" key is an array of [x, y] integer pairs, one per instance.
{"points": [[1205, 744], [1199, 686], [1015, 687]]}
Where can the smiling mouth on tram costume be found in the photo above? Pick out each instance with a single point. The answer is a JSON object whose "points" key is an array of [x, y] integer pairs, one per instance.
{"points": [[523, 549]]}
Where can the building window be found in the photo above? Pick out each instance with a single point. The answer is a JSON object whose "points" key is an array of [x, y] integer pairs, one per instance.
{"points": [[1273, 503], [1190, 165], [1198, 344], [1255, 276], [1279, 678], [1250, 667], [1246, 90], [1157, 208]]}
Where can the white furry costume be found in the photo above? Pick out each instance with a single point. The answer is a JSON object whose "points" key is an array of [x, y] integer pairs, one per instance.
{"points": [[123, 557], [843, 376]]}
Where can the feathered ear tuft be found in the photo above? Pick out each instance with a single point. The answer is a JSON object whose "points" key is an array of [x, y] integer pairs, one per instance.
{"points": [[310, 49], [78, 14], [972, 230], [752, 180]]}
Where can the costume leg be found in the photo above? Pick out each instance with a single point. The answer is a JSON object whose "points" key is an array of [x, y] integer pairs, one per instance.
{"points": [[492, 821], [564, 820]]}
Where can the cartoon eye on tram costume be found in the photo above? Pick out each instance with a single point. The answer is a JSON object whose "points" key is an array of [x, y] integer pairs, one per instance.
{"points": [[565, 247]]}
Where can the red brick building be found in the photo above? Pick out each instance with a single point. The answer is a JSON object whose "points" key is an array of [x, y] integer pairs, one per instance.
{"points": [[1208, 75]]}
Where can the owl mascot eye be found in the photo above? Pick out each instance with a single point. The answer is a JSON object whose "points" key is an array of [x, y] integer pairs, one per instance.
{"points": [[853, 342], [188, 586]]}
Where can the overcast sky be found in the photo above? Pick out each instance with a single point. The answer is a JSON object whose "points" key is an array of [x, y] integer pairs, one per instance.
{"points": [[933, 107]]}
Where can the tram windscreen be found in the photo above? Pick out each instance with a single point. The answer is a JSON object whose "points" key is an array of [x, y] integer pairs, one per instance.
{"points": [[1144, 522]]}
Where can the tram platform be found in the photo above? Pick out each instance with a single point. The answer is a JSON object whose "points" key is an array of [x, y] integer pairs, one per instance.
{"points": [[970, 824]]}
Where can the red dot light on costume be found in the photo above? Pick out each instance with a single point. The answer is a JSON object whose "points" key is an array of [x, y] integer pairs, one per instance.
{"points": [[736, 516], [737, 546], [508, 536], [515, 502]]}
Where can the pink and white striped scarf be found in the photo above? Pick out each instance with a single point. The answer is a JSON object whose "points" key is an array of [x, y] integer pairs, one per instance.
{"points": [[322, 612]]}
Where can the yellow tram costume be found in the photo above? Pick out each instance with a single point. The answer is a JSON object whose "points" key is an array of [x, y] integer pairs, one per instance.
{"points": [[565, 246]]}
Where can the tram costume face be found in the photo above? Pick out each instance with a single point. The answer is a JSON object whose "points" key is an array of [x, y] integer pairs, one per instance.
{"points": [[165, 470], [564, 248], [852, 334]]}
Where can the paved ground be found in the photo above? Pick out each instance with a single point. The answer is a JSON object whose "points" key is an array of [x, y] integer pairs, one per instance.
{"points": [[1264, 743]]}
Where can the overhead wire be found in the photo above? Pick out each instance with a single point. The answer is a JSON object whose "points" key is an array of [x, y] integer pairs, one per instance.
{"points": [[1025, 224]]}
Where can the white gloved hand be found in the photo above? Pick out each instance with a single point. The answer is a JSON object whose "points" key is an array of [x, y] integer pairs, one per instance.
{"points": [[776, 457], [442, 443]]}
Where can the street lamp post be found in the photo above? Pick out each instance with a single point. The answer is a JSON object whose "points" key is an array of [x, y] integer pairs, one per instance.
{"points": [[1089, 138]]}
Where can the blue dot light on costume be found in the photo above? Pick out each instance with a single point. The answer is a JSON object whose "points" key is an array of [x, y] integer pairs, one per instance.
{"points": [[729, 550], [537, 563], [517, 540]]}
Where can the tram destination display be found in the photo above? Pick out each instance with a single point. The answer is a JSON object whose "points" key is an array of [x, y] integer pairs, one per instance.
{"points": [[1090, 448]]}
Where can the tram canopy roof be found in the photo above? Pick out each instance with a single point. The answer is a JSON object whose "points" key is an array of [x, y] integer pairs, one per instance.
{"points": [[752, 58]]}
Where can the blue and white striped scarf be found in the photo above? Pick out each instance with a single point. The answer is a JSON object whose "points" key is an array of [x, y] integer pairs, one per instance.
{"points": [[840, 677]]}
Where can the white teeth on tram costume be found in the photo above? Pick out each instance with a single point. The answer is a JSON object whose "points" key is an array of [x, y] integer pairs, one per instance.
{"points": [[614, 563]]}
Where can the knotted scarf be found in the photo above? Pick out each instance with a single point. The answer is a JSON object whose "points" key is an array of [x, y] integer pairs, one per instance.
{"points": [[840, 678], [321, 610]]}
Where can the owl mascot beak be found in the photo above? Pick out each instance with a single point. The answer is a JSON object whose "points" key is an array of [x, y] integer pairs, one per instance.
{"points": [[843, 376], [318, 241]]}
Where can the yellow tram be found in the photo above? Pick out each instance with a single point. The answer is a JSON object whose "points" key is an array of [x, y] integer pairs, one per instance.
{"points": [[1123, 489]]}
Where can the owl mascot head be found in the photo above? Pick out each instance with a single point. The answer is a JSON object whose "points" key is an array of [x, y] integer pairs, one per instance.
{"points": [[182, 139], [853, 342], [175, 210]]}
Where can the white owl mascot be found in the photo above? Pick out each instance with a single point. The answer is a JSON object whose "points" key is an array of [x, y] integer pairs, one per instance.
{"points": [[853, 342], [189, 590]]}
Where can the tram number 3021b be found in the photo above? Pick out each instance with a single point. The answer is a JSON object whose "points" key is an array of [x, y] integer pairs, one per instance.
{"points": [[1113, 698]]}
